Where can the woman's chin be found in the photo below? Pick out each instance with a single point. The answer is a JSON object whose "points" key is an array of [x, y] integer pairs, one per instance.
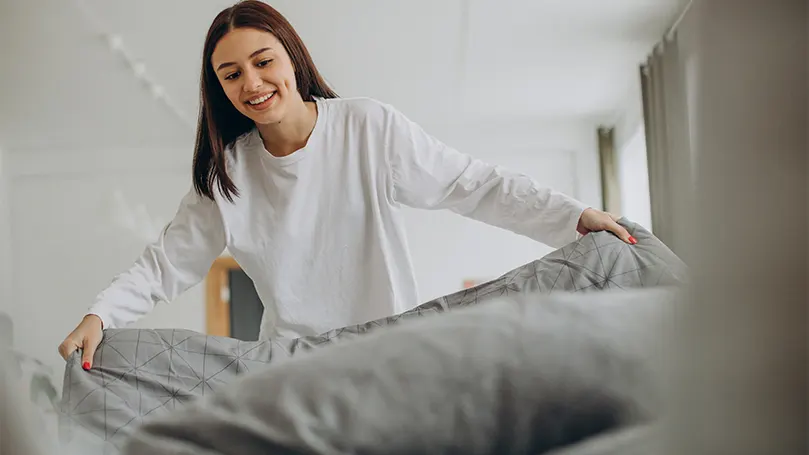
{"points": [[264, 118]]}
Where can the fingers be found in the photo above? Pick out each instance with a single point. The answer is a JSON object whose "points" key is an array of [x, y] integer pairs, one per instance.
{"points": [[87, 355], [81, 339], [622, 233], [87, 336], [88, 346], [67, 347], [596, 221]]}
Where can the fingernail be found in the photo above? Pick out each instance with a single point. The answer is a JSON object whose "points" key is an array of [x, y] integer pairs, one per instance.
{"points": [[632, 240], [86, 365]]}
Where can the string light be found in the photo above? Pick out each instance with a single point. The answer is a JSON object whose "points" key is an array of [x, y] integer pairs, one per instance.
{"points": [[116, 44]]}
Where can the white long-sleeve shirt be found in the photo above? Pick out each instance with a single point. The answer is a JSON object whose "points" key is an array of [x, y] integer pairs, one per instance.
{"points": [[320, 232]]}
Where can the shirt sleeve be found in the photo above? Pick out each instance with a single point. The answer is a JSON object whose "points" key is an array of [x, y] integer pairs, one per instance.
{"points": [[428, 174], [177, 260]]}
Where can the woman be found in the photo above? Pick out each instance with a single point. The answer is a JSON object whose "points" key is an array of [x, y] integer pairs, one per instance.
{"points": [[303, 188]]}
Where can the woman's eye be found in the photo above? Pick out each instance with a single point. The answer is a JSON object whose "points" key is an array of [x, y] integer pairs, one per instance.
{"points": [[232, 76], [264, 62]]}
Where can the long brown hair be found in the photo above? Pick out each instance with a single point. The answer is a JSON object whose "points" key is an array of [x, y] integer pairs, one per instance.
{"points": [[220, 123]]}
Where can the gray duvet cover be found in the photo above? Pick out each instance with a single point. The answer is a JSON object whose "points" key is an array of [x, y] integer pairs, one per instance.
{"points": [[142, 376]]}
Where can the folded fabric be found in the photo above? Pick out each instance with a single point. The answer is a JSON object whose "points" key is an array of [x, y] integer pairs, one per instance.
{"points": [[140, 374]]}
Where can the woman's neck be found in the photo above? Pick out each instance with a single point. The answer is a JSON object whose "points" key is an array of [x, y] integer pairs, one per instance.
{"points": [[292, 133]]}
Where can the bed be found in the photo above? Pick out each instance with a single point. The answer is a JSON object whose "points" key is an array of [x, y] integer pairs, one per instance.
{"points": [[446, 376]]}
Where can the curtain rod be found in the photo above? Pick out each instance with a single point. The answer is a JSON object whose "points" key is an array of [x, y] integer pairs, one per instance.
{"points": [[670, 32]]}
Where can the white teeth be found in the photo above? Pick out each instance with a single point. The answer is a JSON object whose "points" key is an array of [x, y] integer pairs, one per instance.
{"points": [[262, 99]]}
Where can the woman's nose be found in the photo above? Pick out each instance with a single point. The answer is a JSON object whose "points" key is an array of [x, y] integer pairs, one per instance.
{"points": [[252, 80]]}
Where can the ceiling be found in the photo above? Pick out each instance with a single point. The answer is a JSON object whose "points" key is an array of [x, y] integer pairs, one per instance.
{"points": [[449, 61]]}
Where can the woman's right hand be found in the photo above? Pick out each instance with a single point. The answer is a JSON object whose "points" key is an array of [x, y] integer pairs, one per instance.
{"points": [[86, 336]]}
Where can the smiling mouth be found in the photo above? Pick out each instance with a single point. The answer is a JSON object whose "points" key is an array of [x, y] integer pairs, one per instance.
{"points": [[261, 101]]}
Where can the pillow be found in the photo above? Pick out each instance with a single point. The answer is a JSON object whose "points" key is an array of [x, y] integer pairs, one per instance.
{"points": [[511, 376]]}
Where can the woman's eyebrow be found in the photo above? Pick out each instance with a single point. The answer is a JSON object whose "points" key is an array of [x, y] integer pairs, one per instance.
{"points": [[226, 64]]}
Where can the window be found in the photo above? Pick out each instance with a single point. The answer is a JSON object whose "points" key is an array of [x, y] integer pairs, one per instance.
{"points": [[633, 177]]}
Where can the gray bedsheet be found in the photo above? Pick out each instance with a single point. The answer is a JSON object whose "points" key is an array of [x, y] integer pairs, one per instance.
{"points": [[141, 374]]}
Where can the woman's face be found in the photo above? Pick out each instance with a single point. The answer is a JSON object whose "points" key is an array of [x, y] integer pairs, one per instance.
{"points": [[256, 74]]}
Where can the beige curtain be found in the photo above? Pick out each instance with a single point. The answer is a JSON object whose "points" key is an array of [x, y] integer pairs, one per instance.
{"points": [[668, 140], [610, 183], [739, 379]]}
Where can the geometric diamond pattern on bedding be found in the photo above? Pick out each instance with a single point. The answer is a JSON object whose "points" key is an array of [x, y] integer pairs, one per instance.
{"points": [[141, 373]]}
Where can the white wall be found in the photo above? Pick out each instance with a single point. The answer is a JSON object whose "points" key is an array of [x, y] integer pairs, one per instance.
{"points": [[79, 217]]}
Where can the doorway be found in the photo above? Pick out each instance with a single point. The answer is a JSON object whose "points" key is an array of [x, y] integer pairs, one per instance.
{"points": [[233, 308]]}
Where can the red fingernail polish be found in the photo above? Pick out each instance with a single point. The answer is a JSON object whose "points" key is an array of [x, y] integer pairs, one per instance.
{"points": [[86, 365], [632, 240]]}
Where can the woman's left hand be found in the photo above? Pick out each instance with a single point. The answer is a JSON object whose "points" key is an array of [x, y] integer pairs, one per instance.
{"points": [[593, 220]]}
